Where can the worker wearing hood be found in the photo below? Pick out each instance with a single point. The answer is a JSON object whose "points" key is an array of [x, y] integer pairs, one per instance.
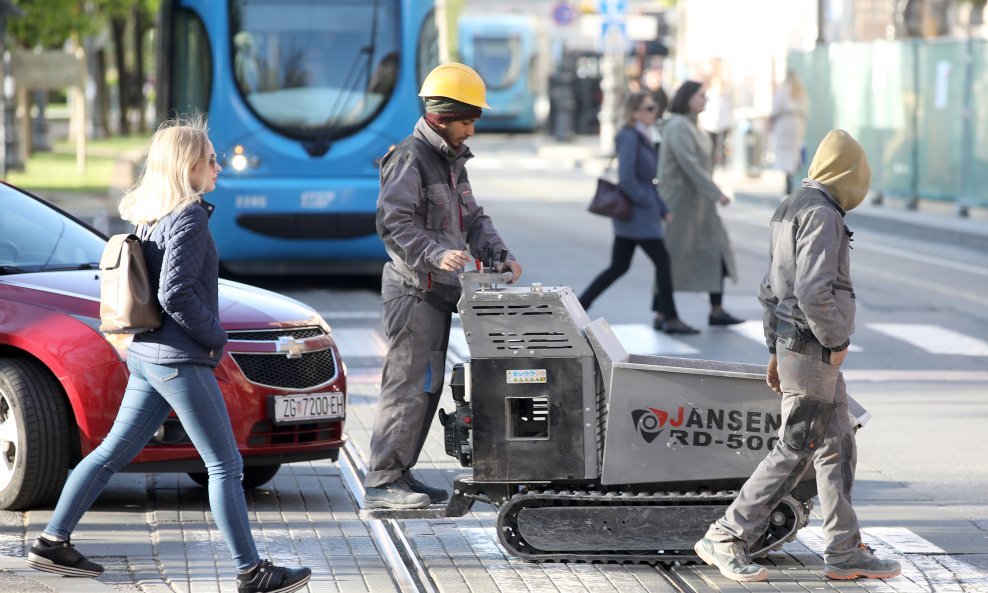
{"points": [[808, 303]]}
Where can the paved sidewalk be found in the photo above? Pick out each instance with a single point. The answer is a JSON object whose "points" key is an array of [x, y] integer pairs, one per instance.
{"points": [[14, 576]]}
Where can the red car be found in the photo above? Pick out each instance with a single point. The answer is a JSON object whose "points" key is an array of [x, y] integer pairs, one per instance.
{"points": [[61, 380]]}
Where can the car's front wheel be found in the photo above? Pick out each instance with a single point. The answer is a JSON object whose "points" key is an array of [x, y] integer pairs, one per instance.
{"points": [[254, 476], [34, 436]]}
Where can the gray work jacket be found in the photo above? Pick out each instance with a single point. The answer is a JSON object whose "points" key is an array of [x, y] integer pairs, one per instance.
{"points": [[426, 207], [807, 292]]}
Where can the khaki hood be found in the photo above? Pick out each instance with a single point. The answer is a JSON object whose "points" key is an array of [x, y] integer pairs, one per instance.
{"points": [[840, 163]]}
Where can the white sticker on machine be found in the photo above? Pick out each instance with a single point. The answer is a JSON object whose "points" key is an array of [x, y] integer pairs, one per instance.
{"points": [[526, 376]]}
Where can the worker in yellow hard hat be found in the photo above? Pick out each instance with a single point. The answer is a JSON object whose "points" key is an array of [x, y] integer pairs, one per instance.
{"points": [[426, 213]]}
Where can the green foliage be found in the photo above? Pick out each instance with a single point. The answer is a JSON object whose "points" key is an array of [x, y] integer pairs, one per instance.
{"points": [[56, 170], [48, 23]]}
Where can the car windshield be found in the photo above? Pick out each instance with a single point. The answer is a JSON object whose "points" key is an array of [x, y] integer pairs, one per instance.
{"points": [[34, 237], [315, 68], [498, 60]]}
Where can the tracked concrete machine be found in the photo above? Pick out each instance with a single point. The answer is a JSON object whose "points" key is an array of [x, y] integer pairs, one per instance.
{"points": [[590, 454]]}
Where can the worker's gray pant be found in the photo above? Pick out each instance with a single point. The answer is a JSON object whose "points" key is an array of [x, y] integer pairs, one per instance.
{"points": [[411, 383], [815, 427]]}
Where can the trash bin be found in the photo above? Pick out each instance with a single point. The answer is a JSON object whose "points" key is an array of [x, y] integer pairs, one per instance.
{"points": [[754, 148], [562, 105]]}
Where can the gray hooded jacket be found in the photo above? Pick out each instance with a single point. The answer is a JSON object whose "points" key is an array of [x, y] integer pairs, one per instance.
{"points": [[807, 292]]}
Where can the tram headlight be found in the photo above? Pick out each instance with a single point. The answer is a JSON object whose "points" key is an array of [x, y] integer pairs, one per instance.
{"points": [[240, 160]]}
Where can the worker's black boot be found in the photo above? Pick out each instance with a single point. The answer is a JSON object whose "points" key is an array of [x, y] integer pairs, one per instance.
{"points": [[396, 495], [436, 495]]}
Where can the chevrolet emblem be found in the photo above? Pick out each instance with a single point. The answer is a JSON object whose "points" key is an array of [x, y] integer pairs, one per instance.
{"points": [[291, 347]]}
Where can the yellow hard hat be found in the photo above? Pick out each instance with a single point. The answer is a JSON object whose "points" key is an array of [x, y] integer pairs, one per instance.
{"points": [[458, 82]]}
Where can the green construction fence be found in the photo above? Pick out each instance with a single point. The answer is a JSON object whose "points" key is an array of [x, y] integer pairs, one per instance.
{"points": [[914, 107]]}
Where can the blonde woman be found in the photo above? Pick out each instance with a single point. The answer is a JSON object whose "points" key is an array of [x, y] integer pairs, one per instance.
{"points": [[171, 368]]}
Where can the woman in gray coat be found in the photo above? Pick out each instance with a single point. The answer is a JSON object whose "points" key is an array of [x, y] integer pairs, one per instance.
{"points": [[698, 245], [637, 164]]}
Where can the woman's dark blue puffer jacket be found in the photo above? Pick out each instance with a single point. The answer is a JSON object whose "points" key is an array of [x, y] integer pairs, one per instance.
{"points": [[184, 269]]}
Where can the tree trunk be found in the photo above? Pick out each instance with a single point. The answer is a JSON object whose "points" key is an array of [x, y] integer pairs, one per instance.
{"points": [[102, 93], [118, 27], [140, 29]]}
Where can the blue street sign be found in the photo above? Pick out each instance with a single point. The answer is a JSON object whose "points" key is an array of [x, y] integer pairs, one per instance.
{"points": [[613, 8], [613, 27], [612, 23], [563, 13]]}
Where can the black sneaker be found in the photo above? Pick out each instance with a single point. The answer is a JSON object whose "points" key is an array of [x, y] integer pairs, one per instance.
{"points": [[396, 495], [723, 318], [436, 495], [676, 326], [61, 558], [268, 578]]}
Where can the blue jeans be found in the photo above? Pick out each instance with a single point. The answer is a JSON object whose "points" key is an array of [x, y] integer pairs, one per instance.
{"points": [[152, 392]]}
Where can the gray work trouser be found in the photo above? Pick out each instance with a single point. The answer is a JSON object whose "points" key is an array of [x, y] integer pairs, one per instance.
{"points": [[411, 383], [815, 427]]}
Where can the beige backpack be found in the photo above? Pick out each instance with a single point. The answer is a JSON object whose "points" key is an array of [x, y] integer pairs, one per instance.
{"points": [[126, 303]]}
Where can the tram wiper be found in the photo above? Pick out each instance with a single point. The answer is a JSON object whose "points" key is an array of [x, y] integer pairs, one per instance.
{"points": [[322, 143]]}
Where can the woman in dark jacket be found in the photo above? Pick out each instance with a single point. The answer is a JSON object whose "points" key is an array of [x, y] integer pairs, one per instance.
{"points": [[637, 164], [171, 368]]}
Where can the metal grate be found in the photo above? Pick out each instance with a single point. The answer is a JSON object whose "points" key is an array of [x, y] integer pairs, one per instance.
{"points": [[600, 396], [277, 370], [269, 335], [266, 432], [530, 341], [486, 310]]}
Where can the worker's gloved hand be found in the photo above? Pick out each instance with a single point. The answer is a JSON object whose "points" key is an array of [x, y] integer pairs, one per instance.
{"points": [[454, 260], [772, 375], [513, 267]]}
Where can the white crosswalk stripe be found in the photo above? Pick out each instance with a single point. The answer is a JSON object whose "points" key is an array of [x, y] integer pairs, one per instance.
{"points": [[753, 331], [933, 338], [926, 567], [642, 339]]}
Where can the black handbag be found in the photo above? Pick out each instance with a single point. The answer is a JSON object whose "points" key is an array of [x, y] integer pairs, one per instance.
{"points": [[609, 200]]}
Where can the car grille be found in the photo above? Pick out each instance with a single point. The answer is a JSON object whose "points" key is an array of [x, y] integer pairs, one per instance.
{"points": [[277, 370], [266, 432], [269, 335]]}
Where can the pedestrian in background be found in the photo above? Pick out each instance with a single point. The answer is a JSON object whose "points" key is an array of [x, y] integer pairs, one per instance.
{"points": [[808, 303], [787, 122], [699, 247], [636, 177], [427, 216], [171, 368], [717, 119], [652, 80]]}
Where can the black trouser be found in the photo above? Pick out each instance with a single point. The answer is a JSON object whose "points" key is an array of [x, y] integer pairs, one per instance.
{"points": [[621, 254], [716, 298]]}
